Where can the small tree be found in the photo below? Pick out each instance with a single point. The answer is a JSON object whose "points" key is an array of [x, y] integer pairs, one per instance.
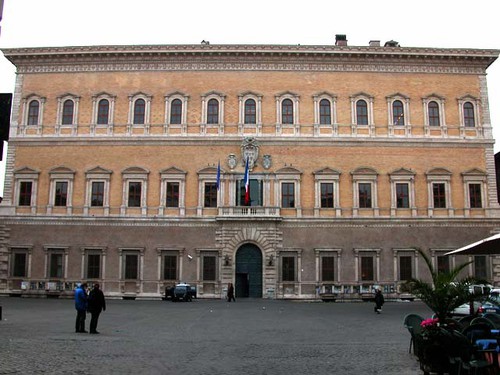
{"points": [[445, 293]]}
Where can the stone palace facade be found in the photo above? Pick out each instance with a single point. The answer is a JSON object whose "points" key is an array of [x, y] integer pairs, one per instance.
{"points": [[126, 166]]}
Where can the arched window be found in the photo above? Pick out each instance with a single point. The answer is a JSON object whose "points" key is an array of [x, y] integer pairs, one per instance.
{"points": [[325, 112], [103, 112], [33, 112], [176, 112], [250, 112], [287, 111], [213, 111], [433, 111], [361, 112], [67, 113], [469, 118], [139, 111], [398, 115]]}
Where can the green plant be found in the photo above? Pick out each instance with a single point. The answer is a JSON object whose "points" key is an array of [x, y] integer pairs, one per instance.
{"points": [[446, 292]]}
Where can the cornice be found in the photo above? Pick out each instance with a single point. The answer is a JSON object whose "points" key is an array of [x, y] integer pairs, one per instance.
{"points": [[249, 57]]}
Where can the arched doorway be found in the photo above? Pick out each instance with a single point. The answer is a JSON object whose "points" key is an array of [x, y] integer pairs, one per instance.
{"points": [[248, 272]]}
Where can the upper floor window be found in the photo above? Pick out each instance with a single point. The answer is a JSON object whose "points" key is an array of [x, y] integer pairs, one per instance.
{"points": [[103, 112], [439, 195], [250, 112], [365, 195], [210, 196], [469, 115], [134, 193], [176, 112], [439, 190], [213, 111], [33, 112], [172, 194], [61, 185], [61, 194], [361, 112], [97, 194], [26, 181], [433, 113], [25, 193], [326, 195], [97, 189], [402, 195], [135, 184], [475, 182], [325, 112], [326, 186], [287, 111], [398, 113], [288, 195], [68, 111], [139, 111]]}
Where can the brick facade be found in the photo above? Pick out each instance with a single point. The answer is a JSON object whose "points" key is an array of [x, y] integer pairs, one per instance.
{"points": [[51, 240]]}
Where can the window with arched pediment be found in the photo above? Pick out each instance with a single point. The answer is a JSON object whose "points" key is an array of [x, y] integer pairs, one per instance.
{"points": [[469, 115], [398, 117], [287, 106], [325, 112], [68, 112], [250, 113], [213, 111], [361, 112], [103, 112], [33, 109], [176, 112], [287, 111], [139, 112], [139, 109], [434, 114]]}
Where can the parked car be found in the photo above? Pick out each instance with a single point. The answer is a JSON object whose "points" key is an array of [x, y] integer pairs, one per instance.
{"points": [[183, 292], [464, 309], [492, 305]]}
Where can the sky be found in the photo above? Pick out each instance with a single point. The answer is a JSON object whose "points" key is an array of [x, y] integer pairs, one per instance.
{"points": [[423, 23]]}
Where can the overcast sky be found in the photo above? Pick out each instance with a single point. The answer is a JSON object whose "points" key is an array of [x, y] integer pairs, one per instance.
{"points": [[424, 23]]}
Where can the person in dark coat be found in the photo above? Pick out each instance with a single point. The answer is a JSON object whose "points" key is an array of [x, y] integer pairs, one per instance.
{"points": [[97, 303], [81, 307], [379, 301], [230, 293]]}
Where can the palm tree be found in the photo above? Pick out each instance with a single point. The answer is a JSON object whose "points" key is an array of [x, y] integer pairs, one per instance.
{"points": [[446, 292]]}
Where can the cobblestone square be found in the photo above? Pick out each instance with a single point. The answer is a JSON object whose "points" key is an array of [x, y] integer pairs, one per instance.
{"points": [[250, 336]]}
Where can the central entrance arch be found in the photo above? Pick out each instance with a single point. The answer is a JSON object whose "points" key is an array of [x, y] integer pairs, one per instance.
{"points": [[248, 281]]}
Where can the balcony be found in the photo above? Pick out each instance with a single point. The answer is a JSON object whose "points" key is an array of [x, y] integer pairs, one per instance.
{"points": [[249, 213]]}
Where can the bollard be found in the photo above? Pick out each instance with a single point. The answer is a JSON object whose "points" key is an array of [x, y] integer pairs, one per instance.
{"points": [[0, 313]]}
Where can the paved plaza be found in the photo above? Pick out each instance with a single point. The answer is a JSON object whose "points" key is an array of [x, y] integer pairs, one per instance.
{"points": [[208, 337]]}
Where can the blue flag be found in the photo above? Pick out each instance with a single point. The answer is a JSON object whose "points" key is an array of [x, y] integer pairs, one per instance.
{"points": [[217, 183]]}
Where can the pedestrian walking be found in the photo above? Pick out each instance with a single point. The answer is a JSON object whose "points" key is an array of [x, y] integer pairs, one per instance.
{"points": [[96, 304], [230, 293], [379, 301], [81, 307]]}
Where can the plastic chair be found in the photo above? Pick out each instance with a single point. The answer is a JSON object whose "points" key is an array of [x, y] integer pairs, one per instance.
{"points": [[477, 331], [494, 318], [466, 320], [412, 323]]}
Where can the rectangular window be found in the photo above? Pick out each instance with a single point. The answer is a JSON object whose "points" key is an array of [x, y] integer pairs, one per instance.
{"points": [[443, 264], [288, 270], [25, 190], [439, 195], [328, 268], [288, 195], [402, 196], [131, 267], [134, 193], [210, 194], [209, 268], [170, 267], [19, 266], [405, 267], [367, 269], [97, 198], [172, 194], [93, 266], [256, 191], [365, 195], [480, 267], [326, 195], [56, 265], [61, 195], [475, 196]]}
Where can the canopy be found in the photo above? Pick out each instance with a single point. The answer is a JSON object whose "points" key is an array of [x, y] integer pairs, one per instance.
{"points": [[490, 245]]}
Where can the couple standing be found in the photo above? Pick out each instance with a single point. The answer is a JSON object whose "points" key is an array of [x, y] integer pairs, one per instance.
{"points": [[93, 303]]}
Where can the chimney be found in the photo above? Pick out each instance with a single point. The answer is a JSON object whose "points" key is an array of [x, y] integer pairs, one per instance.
{"points": [[340, 40], [391, 43], [374, 43]]}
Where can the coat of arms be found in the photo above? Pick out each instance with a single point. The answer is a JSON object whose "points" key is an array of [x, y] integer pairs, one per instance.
{"points": [[250, 151]]}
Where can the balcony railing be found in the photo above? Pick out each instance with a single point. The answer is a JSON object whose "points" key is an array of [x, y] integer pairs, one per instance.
{"points": [[249, 212]]}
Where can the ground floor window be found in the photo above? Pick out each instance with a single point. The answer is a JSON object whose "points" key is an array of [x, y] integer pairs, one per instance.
{"points": [[19, 260], [131, 266], [288, 268], [93, 265], [56, 265], [367, 268], [209, 267], [170, 267], [481, 267], [328, 268]]}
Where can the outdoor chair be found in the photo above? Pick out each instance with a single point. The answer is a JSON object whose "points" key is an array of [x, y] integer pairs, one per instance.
{"points": [[465, 320], [494, 318], [483, 320], [477, 331], [412, 324], [465, 358]]}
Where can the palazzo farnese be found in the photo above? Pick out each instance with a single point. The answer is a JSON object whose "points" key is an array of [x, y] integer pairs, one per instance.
{"points": [[126, 166]]}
